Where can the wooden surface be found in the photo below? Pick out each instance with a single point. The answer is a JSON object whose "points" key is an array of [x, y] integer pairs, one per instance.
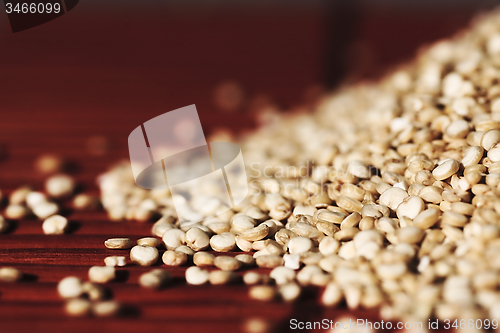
{"points": [[103, 72]]}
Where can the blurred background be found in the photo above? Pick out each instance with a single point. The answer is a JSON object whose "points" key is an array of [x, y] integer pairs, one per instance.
{"points": [[107, 66], [78, 85]]}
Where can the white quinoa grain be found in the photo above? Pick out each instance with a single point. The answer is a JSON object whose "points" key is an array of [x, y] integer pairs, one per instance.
{"points": [[85, 202], [366, 223], [185, 249], [45, 209], [246, 259], [493, 44], [255, 234], [35, 198], [106, 308], [257, 325], [368, 250], [454, 219], [463, 105], [392, 197], [160, 227], [269, 261], [423, 264], [60, 186], [462, 208], [458, 129], [345, 234], [427, 218], [431, 194], [219, 227], [144, 255], [47, 164], [291, 261], [9, 274], [299, 245], [349, 204], [304, 210], [70, 287], [173, 238], [174, 258], [310, 258], [94, 291], [256, 213], [197, 239], [367, 236], [149, 241], [410, 235], [118, 243], [351, 221], [472, 156], [203, 259], [227, 263], [453, 234], [18, 196], [223, 243], [289, 292], [259, 245], [196, 275], [445, 169], [358, 168], [452, 85], [325, 215], [155, 279], [117, 213], [55, 225], [391, 271], [243, 244], [347, 251], [490, 139], [328, 245], [332, 295], [262, 293], [241, 222], [386, 225], [101, 274], [16, 212], [410, 207], [494, 154], [115, 261], [305, 274], [495, 105], [252, 278], [352, 295], [78, 307], [222, 277], [282, 275]]}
